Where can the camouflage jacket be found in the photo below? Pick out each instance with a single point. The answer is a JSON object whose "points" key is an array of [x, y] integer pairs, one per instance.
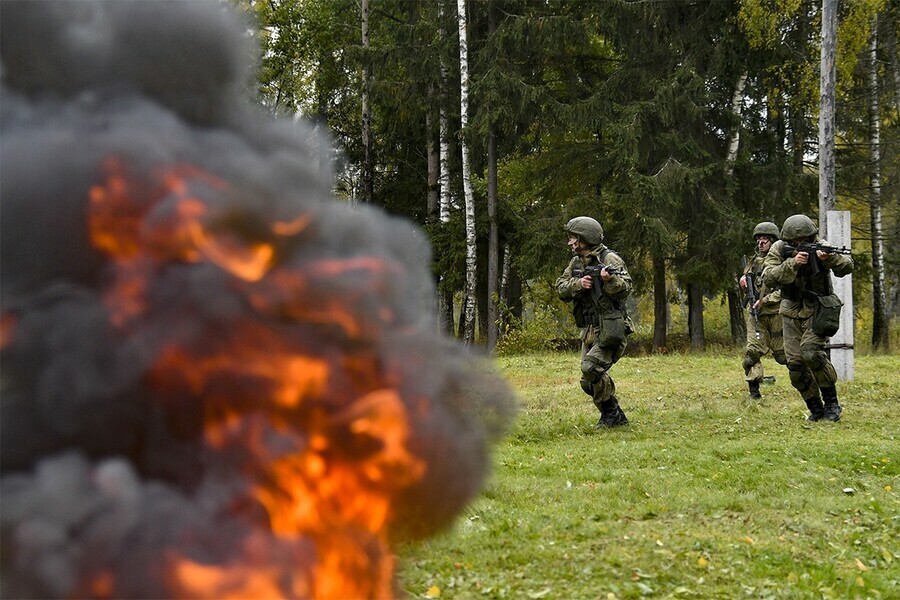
{"points": [[614, 292], [771, 297], [798, 285]]}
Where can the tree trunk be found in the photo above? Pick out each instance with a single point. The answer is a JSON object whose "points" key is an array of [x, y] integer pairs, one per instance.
{"points": [[660, 303], [880, 314], [695, 315], [471, 248], [504, 287], [444, 134], [432, 199], [493, 313], [826, 113], [736, 314], [445, 304], [493, 276], [514, 297], [445, 311], [481, 292], [432, 208], [368, 174], [737, 102]]}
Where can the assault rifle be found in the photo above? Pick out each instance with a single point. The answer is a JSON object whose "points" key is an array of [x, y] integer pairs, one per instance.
{"points": [[811, 248], [594, 273], [751, 297]]}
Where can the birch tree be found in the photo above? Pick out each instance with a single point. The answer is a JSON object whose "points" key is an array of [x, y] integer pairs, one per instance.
{"points": [[493, 312], [880, 317], [828, 65], [445, 303], [368, 168], [735, 310], [471, 248]]}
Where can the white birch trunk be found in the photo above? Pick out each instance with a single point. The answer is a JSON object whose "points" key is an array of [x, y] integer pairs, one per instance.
{"points": [[737, 103], [445, 297], [880, 317], [367, 175], [471, 263], [493, 312], [826, 113], [444, 177], [504, 275]]}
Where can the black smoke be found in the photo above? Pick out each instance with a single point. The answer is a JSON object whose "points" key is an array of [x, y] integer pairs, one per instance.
{"points": [[104, 473]]}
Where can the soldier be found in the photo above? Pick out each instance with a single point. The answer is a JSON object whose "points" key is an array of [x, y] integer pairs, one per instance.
{"points": [[599, 308], [764, 327], [804, 278]]}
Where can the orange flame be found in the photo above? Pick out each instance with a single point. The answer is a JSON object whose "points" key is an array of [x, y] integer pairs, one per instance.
{"points": [[232, 583], [8, 323], [350, 454]]}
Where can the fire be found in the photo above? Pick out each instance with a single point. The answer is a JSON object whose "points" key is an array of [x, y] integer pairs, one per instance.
{"points": [[325, 457], [234, 582], [217, 381], [7, 328]]}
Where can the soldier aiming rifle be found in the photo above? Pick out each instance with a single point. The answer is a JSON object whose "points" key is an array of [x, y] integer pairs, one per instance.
{"points": [[810, 310], [597, 283]]}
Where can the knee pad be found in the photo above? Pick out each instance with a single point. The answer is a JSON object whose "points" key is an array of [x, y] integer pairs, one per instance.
{"points": [[591, 369], [749, 361], [779, 357], [813, 358], [588, 387]]}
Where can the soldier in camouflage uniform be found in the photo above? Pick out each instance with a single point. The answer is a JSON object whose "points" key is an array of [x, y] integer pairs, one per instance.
{"points": [[763, 331], [810, 369], [604, 322]]}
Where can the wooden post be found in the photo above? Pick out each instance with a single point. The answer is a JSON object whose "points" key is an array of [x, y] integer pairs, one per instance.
{"points": [[840, 346]]}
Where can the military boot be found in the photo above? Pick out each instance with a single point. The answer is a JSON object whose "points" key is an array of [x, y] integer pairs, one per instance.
{"points": [[832, 410], [816, 409], [754, 389], [611, 414]]}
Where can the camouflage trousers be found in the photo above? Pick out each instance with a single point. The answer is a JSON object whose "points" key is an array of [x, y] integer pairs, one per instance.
{"points": [[596, 361], [808, 364], [771, 339]]}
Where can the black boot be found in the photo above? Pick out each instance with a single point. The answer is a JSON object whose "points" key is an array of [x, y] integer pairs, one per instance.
{"points": [[754, 389], [611, 414], [816, 409], [832, 410]]}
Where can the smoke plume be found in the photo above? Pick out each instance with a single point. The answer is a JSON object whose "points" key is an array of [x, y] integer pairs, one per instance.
{"points": [[217, 380]]}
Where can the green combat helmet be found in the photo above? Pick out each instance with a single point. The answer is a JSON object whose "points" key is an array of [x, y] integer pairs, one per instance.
{"points": [[767, 229], [798, 227], [586, 228]]}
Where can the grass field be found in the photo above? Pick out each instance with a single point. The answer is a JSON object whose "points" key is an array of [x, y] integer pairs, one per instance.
{"points": [[705, 495]]}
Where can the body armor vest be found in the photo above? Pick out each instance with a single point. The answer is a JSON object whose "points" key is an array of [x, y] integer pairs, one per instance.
{"points": [[806, 285]]}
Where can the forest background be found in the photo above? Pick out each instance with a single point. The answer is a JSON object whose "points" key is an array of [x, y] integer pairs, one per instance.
{"points": [[678, 124]]}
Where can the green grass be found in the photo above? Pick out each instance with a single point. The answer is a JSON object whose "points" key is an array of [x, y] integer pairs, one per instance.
{"points": [[705, 495]]}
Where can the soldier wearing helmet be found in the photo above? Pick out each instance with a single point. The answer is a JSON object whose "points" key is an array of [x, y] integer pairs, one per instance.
{"points": [[804, 277], [599, 310], [763, 330]]}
